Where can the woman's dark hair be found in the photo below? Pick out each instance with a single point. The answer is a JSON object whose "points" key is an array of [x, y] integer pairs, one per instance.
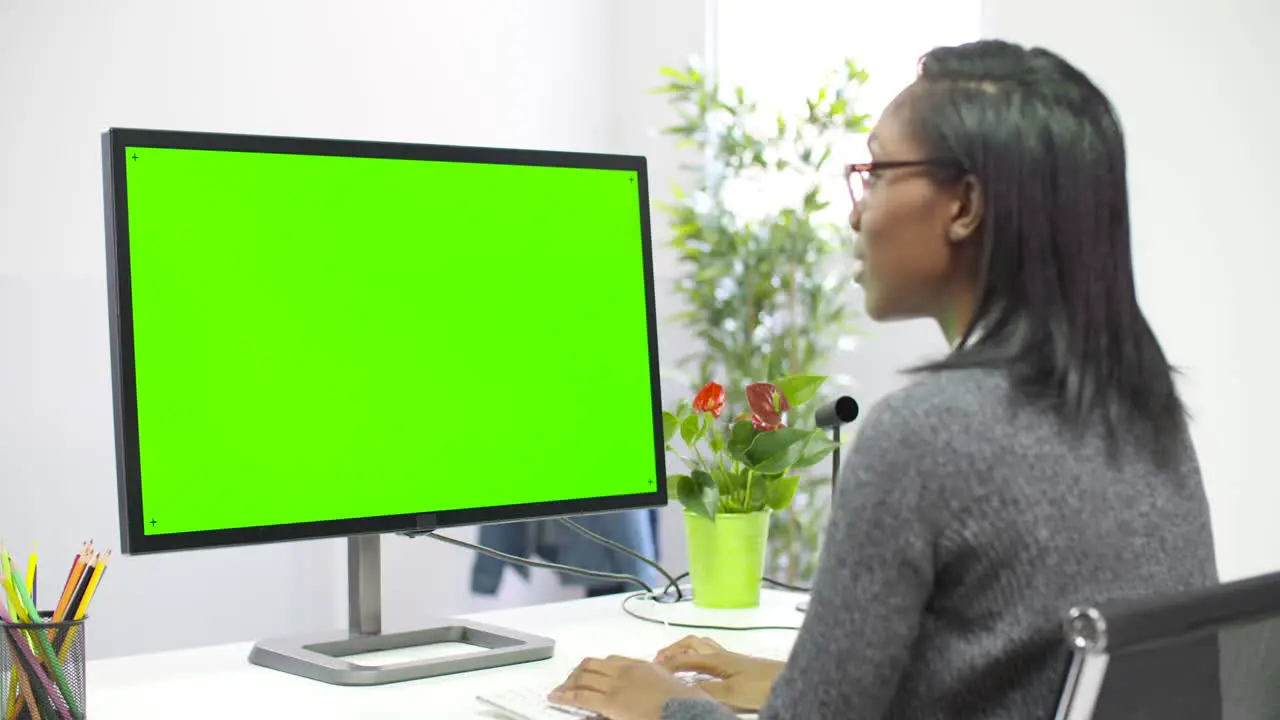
{"points": [[1057, 305]]}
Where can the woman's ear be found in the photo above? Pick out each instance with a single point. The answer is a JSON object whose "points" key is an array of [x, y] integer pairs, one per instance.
{"points": [[967, 210]]}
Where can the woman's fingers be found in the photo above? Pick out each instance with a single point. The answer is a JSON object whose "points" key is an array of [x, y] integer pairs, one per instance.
{"points": [[717, 664], [691, 644]]}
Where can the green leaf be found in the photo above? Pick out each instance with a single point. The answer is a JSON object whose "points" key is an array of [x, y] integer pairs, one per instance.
{"points": [[670, 424], [800, 389], [816, 450], [826, 155], [682, 409], [740, 438], [691, 429], [776, 451], [758, 493], [717, 439], [686, 129], [673, 485], [725, 480], [676, 74], [781, 491], [698, 492]]}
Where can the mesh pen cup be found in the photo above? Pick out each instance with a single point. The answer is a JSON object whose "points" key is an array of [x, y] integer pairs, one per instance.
{"points": [[42, 671]]}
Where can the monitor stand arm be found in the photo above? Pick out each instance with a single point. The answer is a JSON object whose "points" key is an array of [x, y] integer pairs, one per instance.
{"points": [[323, 657]]}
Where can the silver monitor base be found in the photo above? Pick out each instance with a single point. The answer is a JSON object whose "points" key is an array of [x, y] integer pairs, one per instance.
{"points": [[321, 657]]}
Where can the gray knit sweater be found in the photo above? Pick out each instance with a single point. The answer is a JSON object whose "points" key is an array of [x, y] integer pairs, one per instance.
{"points": [[966, 523]]}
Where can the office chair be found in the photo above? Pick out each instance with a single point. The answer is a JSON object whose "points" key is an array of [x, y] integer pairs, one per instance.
{"points": [[1212, 654]]}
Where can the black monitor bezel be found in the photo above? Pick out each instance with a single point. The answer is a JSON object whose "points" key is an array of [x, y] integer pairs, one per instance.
{"points": [[134, 540]]}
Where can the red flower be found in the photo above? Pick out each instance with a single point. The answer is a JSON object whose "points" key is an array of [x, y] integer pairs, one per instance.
{"points": [[760, 424], [767, 406], [710, 399]]}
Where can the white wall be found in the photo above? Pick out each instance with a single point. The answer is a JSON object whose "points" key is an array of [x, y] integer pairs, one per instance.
{"points": [[564, 74], [1192, 83]]}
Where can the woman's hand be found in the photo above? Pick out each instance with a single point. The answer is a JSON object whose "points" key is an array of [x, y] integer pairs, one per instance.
{"points": [[691, 645], [622, 689], [742, 682]]}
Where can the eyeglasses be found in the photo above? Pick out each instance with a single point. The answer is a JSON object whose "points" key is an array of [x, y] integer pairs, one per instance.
{"points": [[867, 173]]}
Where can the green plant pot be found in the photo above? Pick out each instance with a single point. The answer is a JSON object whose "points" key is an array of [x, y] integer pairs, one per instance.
{"points": [[726, 558]]}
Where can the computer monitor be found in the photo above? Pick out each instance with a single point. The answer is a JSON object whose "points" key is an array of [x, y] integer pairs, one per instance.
{"points": [[322, 338]]}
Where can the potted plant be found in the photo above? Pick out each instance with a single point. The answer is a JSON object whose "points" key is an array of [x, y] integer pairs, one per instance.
{"points": [[742, 468], [764, 275]]}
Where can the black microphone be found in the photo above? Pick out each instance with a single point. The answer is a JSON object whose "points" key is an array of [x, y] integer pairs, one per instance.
{"points": [[831, 416]]}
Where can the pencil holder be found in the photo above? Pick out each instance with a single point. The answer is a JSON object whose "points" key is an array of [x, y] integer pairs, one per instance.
{"points": [[42, 670]]}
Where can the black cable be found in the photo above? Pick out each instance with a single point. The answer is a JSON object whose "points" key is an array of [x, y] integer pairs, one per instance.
{"points": [[675, 583], [671, 582], [776, 583], [616, 577], [694, 626], [785, 586]]}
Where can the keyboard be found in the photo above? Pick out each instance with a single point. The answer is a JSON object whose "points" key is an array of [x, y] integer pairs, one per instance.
{"points": [[530, 702]]}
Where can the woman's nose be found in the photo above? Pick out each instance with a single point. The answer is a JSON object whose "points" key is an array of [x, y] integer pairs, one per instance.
{"points": [[855, 218]]}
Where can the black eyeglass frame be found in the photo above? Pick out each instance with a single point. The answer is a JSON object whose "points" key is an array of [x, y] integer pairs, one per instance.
{"points": [[866, 168]]}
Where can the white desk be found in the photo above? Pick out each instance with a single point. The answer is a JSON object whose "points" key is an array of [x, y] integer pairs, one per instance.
{"points": [[219, 682]]}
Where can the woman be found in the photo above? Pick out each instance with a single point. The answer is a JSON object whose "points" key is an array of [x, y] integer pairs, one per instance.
{"points": [[1045, 462]]}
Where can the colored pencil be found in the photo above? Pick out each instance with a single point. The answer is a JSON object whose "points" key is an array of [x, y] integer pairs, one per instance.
{"points": [[26, 658], [17, 692], [45, 648], [67, 640], [77, 595], [18, 611], [100, 569], [84, 549], [21, 682], [32, 561], [77, 569], [38, 683], [15, 607]]}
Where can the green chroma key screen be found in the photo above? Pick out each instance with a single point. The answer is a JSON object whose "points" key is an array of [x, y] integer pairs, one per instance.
{"points": [[322, 338]]}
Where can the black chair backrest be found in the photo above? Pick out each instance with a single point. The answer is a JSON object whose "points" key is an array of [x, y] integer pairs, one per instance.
{"points": [[1212, 654]]}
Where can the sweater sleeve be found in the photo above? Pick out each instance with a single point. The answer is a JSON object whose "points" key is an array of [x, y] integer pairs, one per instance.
{"points": [[874, 579], [696, 710]]}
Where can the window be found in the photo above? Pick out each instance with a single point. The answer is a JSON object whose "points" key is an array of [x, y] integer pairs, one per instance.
{"points": [[781, 53]]}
